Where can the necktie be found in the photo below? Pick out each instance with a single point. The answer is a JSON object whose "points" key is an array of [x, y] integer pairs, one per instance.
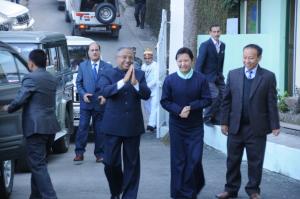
{"points": [[250, 72], [95, 70], [217, 47]]}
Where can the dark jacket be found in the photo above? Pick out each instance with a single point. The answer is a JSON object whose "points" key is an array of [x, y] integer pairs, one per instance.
{"points": [[263, 111], [37, 97], [209, 62], [140, 1], [86, 83], [123, 115]]}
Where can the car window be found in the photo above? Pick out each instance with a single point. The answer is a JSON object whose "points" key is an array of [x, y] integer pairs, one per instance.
{"points": [[77, 54], [24, 49], [52, 60], [8, 69], [22, 68], [63, 57]]}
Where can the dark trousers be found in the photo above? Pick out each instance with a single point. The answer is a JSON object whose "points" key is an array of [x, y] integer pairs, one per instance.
{"points": [[187, 177], [41, 185], [140, 13], [255, 150], [126, 181], [83, 130], [216, 90]]}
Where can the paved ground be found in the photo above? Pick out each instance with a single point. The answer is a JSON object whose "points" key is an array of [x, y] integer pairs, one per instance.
{"points": [[87, 181]]}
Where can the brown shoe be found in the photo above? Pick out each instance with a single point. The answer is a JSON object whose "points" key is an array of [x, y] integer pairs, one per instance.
{"points": [[99, 159], [78, 158], [255, 196], [226, 195]]}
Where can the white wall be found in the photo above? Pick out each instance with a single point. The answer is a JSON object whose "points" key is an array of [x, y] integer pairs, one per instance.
{"points": [[297, 57], [176, 32]]}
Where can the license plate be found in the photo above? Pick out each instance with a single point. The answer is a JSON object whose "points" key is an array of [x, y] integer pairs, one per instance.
{"points": [[98, 28]]}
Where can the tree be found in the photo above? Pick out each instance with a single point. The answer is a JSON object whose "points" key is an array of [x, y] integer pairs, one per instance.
{"points": [[191, 16]]}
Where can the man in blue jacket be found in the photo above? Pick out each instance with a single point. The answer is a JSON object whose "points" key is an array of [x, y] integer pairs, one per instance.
{"points": [[210, 62], [123, 87], [37, 98], [91, 104]]}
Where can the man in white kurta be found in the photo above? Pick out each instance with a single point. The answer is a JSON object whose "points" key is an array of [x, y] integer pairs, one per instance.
{"points": [[150, 68]]}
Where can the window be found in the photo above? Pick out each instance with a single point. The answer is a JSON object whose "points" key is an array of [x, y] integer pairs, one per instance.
{"points": [[52, 60], [63, 57], [22, 68], [24, 49], [77, 55], [8, 69], [252, 10]]}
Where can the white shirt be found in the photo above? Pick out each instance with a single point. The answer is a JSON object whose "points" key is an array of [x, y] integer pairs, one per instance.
{"points": [[217, 44], [253, 72], [151, 74], [97, 66]]}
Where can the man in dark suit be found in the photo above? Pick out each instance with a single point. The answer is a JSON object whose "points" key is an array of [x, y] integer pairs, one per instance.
{"points": [[210, 62], [91, 104], [249, 113], [37, 98], [123, 124], [140, 12]]}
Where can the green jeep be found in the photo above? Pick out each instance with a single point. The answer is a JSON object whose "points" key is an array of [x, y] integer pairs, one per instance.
{"points": [[55, 46]]}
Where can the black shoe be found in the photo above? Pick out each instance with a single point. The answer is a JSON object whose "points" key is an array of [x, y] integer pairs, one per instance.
{"points": [[115, 197], [142, 26], [150, 128], [137, 25]]}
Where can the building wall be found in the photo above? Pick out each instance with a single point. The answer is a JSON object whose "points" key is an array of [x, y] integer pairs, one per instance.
{"points": [[176, 32], [297, 61], [273, 23], [271, 39]]}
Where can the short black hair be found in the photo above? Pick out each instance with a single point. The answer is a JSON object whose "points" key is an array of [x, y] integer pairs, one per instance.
{"points": [[258, 49], [38, 57], [214, 25], [185, 50]]}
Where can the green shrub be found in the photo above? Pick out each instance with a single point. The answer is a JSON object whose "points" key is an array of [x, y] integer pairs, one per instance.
{"points": [[282, 106]]}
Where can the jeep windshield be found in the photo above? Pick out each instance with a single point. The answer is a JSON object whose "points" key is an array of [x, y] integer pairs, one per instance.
{"points": [[77, 54], [24, 49]]}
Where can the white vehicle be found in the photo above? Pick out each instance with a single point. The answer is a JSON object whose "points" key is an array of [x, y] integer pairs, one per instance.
{"points": [[78, 51], [93, 16], [16, 17]]}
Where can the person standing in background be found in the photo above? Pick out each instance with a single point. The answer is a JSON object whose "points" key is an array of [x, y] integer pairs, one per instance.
{"points": [[210, 62], [137, 62], [140, 13], [150, 68], [91, 104]]}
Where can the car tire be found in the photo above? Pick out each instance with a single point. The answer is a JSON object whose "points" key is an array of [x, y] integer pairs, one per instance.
{"points": [[67, 16], [6, 178], [62, 144], [106, 13], [61, 7]]}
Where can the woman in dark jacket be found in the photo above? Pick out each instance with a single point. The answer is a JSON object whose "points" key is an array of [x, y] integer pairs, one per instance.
{"points": [[185, 94]]}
